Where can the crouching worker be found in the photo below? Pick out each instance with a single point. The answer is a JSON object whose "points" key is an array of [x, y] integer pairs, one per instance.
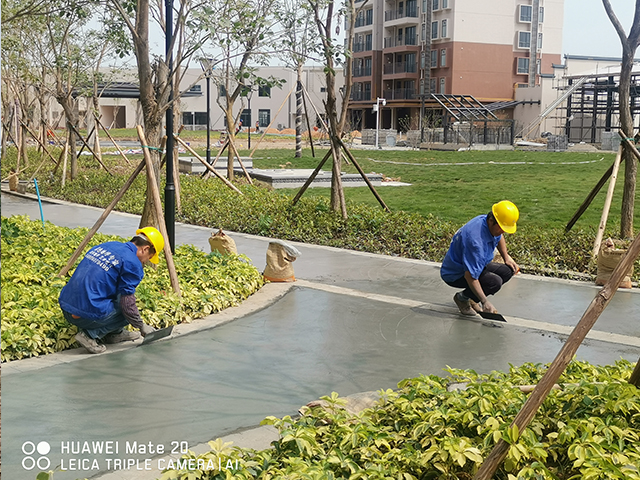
{"points": [[100, 296], [468, 263]]}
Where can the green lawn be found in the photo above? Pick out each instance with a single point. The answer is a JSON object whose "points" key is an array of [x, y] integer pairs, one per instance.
{"points": [[548, 187]]}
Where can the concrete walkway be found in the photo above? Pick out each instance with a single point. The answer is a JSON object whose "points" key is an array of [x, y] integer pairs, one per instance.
{"points": [[353, 322]]}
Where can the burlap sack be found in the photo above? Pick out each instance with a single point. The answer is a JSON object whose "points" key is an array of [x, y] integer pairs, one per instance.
{"points": [[222, 243], [13, 182], [609, 256], [280, 256]]}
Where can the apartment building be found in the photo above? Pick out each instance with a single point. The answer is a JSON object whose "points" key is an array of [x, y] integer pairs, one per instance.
{"points": [[406, 50], [120, 106]]}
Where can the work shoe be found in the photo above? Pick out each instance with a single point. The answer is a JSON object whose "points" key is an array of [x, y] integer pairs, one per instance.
{"points": [[89, 343], [121, 336], [464, 306]]}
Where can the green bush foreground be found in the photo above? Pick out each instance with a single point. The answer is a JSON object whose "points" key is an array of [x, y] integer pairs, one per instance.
{"points": [[589, 429], [32, 256]]}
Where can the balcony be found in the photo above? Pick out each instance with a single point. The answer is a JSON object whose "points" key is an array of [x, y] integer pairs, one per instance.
{"points": [[366, 46], [390, 42], [400, 67], [360, 96], [400, 94], [361, 72], [411, 12]]}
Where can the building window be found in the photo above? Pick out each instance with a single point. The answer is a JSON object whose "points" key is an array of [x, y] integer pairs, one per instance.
{"points": [[434, 30], [443, 57], [445, 3], [264, 117], [434, 58], [541, 17], [222, 91], [523, 66], [442, 84], [399, 36], [433, 83], [444, 29], [539, 41], [524, 39], [245, 117], [436, 5], [424, 32], [369, 15], [264, 91], [526, 12], [410, 36]]}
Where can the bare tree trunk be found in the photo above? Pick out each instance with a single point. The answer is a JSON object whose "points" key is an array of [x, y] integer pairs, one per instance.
{"points": [[629, 46], [299, 113]]}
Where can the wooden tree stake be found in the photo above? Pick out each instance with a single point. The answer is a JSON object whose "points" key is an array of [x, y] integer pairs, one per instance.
{"points": [[101, 220], [157, 202], [209, 167], [607, 203], [531, 406]]}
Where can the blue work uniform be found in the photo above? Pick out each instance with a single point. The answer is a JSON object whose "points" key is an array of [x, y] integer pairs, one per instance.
{"points": [[472, 249], [90, 299]]}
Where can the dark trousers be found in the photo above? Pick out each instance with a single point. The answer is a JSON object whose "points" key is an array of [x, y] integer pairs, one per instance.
{"points": [[491, 280]]}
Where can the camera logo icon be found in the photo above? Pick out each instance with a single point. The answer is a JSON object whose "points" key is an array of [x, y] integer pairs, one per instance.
{"points": [[31, 450]]}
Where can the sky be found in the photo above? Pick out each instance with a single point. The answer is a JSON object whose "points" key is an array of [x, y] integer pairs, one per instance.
{"points": [[588, 30]]}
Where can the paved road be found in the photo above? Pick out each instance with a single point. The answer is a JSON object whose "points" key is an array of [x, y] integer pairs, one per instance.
{"points": [[354, 322]]}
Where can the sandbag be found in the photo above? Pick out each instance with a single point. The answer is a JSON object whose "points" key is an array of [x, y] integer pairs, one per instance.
{"points": [[280, 257], [222, 243], [13, 181], [609, 256]]}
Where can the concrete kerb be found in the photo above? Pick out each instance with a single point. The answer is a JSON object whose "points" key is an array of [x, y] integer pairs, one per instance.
{"points": [[263, 298]]}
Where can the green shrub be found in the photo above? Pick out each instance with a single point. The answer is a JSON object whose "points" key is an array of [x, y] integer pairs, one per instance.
{"points": [[589, 430], [32, 256]]}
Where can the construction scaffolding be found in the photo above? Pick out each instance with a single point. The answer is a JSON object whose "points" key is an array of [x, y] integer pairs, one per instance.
{"points": [[593, 106], [465, 120]]}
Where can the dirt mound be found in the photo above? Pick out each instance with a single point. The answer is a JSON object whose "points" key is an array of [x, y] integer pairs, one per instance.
{"points": [[288, 131]]}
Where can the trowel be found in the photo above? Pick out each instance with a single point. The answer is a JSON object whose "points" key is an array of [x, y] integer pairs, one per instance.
{"points": [[492, 316], [157, 335]]}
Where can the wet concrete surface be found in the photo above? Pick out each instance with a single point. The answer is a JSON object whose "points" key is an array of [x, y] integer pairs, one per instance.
{"points": [[309, 343]]}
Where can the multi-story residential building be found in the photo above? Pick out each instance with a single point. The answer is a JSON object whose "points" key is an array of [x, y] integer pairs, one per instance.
{"points": [[406, 50]]}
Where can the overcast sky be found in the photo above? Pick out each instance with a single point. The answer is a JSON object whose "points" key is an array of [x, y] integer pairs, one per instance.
{"points": [[588, 30]]}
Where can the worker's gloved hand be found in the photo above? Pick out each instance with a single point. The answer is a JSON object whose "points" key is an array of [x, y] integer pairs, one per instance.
{"points": [[488, 307], [146, 329]]}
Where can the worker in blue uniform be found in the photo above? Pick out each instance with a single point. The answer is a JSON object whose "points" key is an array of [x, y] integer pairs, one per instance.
{"points": [[100, 296], [469, 263]]}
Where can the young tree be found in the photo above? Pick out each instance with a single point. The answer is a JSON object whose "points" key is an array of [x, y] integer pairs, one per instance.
{"points": [[242, 30], [155, 73], [630, 44], [299, 41], [333, 54]]}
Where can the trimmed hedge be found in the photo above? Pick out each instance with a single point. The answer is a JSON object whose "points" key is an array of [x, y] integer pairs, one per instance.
{"points": [[590, 429], [32, 323]]}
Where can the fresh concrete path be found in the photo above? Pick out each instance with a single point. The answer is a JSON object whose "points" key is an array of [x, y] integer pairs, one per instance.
{"points": [[354, 322]]}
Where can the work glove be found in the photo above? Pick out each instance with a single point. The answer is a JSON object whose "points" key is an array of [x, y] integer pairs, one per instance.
{"points": [[146, 329]]}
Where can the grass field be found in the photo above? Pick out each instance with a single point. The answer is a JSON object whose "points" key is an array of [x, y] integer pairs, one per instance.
{"points": [[548, 187]]}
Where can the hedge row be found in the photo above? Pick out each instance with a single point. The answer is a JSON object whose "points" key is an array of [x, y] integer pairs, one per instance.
{"points": [[32, 256], [262, 211], [590, 429]]}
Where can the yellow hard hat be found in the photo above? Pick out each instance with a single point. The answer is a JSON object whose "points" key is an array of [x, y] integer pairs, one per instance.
{"points": [[155, 237], [506, 214]]}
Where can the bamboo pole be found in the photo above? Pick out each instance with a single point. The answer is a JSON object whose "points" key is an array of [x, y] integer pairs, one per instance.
{"points": [[209, 167], [232, 145], [364, 176], [274, 119], [101, 220], [630, 144], [65, 158], [90, 150], [40, 142], [566, 354], [311, 178], [607, 203], [157, 202], [112, 140], [589, 199]]}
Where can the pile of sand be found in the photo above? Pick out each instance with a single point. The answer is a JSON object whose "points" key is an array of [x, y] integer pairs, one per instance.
{"points": [[288, 131]]}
